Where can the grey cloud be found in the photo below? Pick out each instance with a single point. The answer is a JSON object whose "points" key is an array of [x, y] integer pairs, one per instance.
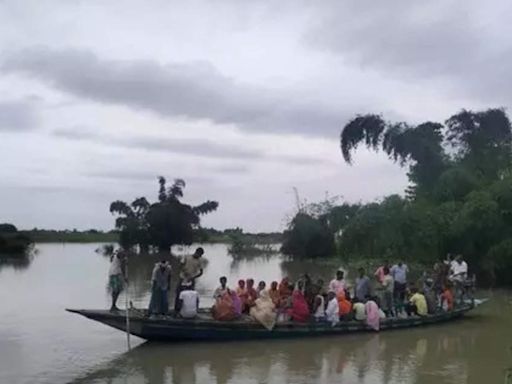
{"points": [[193, 90], [191, 147], [17, 116], [464, 44]]}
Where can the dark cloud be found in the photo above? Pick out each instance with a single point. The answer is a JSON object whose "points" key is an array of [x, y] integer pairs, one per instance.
{"points": [[463, 44], [17, 116], [192, 90]]}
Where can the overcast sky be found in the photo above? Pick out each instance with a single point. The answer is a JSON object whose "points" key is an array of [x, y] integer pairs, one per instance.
{"points": [[244, 100]]}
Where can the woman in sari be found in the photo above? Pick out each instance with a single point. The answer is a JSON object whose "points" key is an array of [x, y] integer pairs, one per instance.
{"points": [[252, 294], [224, 308], [372, 314], [300, 309], [284, 291], [263, 311], [345, 305], [241, 292], [273, 292]]}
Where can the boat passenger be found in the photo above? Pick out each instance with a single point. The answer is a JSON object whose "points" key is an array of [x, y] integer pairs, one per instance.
{"points": [[263, 310], [237, 303], [222, 289], [447, 298], [116, 277], [241, 292], [224, 309], [362, 288], [299, 310], [332, 312], [379, 273], [160, 284], [252, 294], [261, 287], [319, 307], [417, 304], [284, 291], [191, 268], [274, 293], [458, 275], [372, 313], [430, 296], [399, 273], [345, 305], [358, 310], [188, 302], [388, 284], [337, 285]]}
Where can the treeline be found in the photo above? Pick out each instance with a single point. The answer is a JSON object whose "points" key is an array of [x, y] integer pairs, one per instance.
{"points": [[212, 235], [459, 199], [72, 236], [162, 224], [12, 241]]}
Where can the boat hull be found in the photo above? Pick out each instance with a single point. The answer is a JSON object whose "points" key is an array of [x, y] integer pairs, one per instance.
{"points": [[171, 329]]}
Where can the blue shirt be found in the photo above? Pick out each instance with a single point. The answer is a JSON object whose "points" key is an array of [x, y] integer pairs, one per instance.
{"points": [[399, 273]]}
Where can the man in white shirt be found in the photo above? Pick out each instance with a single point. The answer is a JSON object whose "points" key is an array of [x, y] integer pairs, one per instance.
{"points": [[332, 312], [458, 275], [188, 302], [116, 277]]}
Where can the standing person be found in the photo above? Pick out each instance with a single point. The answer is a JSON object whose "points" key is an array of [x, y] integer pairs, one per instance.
{"points": [[430, 296], [188, 302], [160, 283], [399, 273], [191, 268], [222, 289], [116, 277], [337, 285], [379, 273], [332, 312], [458, 275], [362, 287], [388, 285]]}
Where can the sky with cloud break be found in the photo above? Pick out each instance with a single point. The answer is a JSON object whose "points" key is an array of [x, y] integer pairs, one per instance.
{"points": [[245, 100]]}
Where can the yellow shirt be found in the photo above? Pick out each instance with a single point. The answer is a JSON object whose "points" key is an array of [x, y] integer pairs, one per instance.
{"points": [[191, 267], [421, 304]]}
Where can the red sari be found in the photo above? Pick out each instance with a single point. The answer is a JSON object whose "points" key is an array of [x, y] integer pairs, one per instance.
{"points": [[299, 310]]}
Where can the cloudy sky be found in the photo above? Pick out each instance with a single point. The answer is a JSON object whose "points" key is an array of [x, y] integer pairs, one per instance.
{"points": [[244, 100]]}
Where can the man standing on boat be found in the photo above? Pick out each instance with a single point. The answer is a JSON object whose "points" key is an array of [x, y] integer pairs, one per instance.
{"points": [[160, 284], [191, 268], [399, 272], [116, 277]]}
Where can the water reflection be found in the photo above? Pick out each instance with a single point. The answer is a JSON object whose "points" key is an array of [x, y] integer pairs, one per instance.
{"points": [[379, 358], [17, 261]]}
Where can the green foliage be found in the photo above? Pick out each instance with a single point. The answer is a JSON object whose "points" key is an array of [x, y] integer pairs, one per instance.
{"points": [[163, 223], [308, 237], [12, 241]]}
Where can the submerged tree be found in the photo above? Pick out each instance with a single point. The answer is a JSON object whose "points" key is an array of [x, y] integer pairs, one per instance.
{"points": [[163, 223]]}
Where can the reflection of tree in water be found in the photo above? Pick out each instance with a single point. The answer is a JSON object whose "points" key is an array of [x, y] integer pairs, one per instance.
{"points": [[294, 269], [17, 261]]}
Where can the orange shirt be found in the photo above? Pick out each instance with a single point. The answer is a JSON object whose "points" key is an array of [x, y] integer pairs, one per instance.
{"points": [[344, 304]]}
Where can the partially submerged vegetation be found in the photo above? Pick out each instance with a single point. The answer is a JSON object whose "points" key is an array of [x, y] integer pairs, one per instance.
{"points": [[459, 199], [13, 242], [71, 236]]}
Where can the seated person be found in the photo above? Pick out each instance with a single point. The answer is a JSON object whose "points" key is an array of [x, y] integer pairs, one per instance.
{"points": [[241, 292], [263, 310], [188, 302], [222, 289], [274, 293], [430, 296], [252, 295], [358, 310], [299, 310], [224, 308], [319, 308], [332, 313], [373, 313], [447, 298], [345, 305], [417, 304], [261, 287]]}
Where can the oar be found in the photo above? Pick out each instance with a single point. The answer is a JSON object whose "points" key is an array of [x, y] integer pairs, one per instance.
{"points": [[127, 307]]}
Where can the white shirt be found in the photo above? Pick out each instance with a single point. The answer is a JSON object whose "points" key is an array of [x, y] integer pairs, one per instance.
{"points": [[332, 313], [320, 311], [189, 304], [460, 269], [115, 267], [360, 311], [337, 286]]}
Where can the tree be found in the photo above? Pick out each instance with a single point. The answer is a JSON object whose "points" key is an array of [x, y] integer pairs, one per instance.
{"points": [[163, 223]]}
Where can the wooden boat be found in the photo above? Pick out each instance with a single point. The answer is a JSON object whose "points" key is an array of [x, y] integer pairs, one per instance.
{"points": [[203, 328]]}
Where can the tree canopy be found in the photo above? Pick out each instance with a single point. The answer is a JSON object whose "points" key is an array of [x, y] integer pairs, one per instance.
{"points": [[161, 224]]}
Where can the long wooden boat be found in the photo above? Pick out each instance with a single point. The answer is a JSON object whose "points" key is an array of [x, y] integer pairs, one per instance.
{"points": [[202, 328]]}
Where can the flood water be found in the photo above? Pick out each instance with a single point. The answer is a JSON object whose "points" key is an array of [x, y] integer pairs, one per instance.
{"points": [[41, 343]]}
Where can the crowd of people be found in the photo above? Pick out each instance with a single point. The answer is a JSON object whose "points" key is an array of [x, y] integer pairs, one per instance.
{"points": [[388, 293]]}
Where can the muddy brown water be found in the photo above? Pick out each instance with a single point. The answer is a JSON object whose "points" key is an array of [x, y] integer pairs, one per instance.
{"points": [[41, 343]]}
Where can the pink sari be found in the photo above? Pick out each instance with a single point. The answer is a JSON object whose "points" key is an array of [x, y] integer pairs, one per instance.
{"points": [[372, 315], [300, 310]]}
